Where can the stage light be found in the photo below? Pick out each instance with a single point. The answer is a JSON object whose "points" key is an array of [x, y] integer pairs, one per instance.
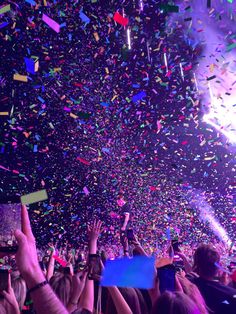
{"points": [[222, 112]]}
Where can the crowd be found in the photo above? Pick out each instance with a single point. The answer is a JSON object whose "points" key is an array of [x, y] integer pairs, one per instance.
{"points": [[65, 280]]}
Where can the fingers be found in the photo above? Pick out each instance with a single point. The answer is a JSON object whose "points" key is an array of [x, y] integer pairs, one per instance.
{"points": [[178, 286], [26, 227], [84, 275], [96, 226], [21, 238], [9, 283]]}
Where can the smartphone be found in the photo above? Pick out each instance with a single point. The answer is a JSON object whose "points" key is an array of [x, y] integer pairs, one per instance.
{"points": [[130, 235], [4, 273], [10, 213], [94, 267], [66, 270], [166, 276], [175, 244]]}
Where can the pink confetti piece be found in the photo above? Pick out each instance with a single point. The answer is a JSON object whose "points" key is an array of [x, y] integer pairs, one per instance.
{"points": [[83, 161], [121, 202], [60, 261], [86, 191], [51, 23], [1, 167]]}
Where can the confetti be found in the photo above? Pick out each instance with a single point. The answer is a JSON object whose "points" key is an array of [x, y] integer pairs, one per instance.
{"points": [[120, 109], [34, 197], [19, 77], [5, 9], [120, 19], [51, 23]]}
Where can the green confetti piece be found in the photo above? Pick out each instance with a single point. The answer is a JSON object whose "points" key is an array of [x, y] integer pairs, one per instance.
{"points": [[169, 8], [230, 47], [5, 9], [34, 197]]}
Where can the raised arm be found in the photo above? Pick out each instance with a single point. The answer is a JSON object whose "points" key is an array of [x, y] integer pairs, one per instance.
{"points": [[51, 264], [87, 297], [121, 305], [138, 247], [44, 299], [187, 265], [78, 283]]}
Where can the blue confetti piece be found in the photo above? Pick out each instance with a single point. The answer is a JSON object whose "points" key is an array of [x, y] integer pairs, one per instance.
{"points": [[29, 65], [3, 24], [104, 104], [41, 99], [32, 2], [84, 17], [168, 234], [139, 96]]}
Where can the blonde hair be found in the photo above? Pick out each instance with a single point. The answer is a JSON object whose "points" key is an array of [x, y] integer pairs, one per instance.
{"points": [[62, 285], [19, 287]]}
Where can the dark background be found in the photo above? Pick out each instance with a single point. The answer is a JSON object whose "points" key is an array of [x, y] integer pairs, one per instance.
{"points": [[128, 157]]}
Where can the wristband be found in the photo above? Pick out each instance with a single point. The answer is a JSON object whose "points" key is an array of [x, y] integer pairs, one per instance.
{"points": [[38, 286]]}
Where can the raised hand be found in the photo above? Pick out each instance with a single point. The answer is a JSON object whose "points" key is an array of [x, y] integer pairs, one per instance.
{"points": [[135, 241], [78, 283], [10, 299], [94, 230], [26, 256]]}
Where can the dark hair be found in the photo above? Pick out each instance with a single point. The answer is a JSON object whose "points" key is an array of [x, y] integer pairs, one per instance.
{"points": [[142, 302], [174, 303], [130, 296], [205, 259]]}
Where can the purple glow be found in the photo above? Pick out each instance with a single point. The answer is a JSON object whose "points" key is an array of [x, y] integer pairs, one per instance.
{"points": [[212, 29]]}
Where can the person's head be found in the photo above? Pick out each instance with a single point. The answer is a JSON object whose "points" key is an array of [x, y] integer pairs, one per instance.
{"points": [[142, 302], [62, 285], [130, 296], [174, 303], [206, 258], [19, 287], [193, 292]]}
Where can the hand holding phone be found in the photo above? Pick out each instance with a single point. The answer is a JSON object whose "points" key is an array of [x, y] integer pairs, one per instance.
{"points": [[7, 292], [10, 213], [166, 276], [94, 267], [175, 244], [130, 235], [4, 273]]}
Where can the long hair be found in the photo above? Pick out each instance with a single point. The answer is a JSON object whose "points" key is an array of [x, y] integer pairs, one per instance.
{"points": [[61, 284], [193, 292], [205, 259], [174, 303], [130, 296], [19, 287]]}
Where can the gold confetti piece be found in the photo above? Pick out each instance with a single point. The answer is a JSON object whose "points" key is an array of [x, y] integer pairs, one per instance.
{"points": [[19, 77], [114, 97], [34, 197], [72, 115], [96, 36], [4, 113], [209, 158]]}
